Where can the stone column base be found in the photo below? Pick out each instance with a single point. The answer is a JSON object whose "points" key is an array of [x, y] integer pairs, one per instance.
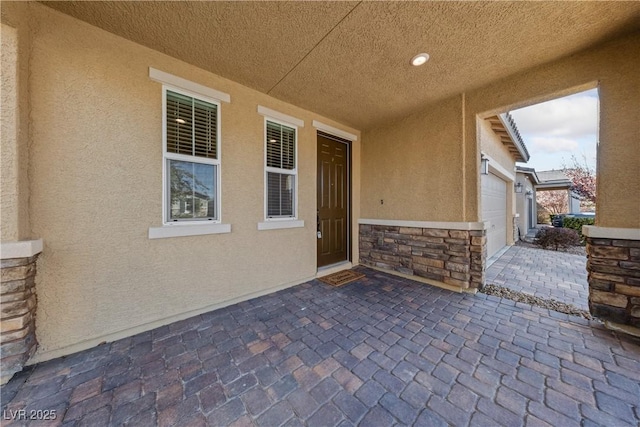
{"points": [[17, 308], [614, 274]]}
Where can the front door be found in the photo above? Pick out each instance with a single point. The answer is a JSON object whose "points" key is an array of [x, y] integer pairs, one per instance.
{"points": [[333, 200]]}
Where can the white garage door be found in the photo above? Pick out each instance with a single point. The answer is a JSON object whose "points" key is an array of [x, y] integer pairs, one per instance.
{"points": [[494, 209]]}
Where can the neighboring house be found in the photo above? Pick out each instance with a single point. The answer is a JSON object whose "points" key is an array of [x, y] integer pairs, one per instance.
{"points": [[531, 182], [319, 146], [557, 180], [526, 206]]}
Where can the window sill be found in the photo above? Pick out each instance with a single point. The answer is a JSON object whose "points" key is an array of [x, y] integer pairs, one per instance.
{"points": [[187, 230], [274, 225]]}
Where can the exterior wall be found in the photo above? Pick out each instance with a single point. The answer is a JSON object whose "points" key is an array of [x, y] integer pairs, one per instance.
{"points": [[424, 167], [453, 257], [14, 187], [574, 202], [411, 169], [492, 147], [613, 69], [95, 169], [522, 206], [614, 280]]}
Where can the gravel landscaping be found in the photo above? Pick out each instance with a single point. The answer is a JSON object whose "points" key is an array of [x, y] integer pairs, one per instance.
{"points": [[548, 303]]}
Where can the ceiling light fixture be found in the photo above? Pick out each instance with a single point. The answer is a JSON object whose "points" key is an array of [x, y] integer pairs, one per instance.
{"points": [[181, 121], [419, 59], [272, 141]]}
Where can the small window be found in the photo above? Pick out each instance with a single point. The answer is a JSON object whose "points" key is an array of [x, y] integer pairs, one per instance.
{"points": [[280, 170], [191, 158]]}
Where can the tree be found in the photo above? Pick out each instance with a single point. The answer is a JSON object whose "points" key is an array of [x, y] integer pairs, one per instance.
{"points": [[553, 201], [583, 179]]}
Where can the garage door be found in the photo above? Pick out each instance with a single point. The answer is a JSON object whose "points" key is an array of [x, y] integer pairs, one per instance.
{"points": [[494, 209]]}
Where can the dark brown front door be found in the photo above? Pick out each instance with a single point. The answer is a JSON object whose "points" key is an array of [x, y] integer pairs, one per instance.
{"points": [[333, 200]]}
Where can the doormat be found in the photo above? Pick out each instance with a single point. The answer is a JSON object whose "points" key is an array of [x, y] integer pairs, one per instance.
{"points": [[341, 278]]}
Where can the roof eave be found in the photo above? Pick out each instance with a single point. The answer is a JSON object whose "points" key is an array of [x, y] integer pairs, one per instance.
{"points": [[511, 128]]}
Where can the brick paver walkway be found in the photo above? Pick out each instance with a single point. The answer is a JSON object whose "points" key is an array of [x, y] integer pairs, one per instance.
{"points": [[381, 351], [543, 273]]}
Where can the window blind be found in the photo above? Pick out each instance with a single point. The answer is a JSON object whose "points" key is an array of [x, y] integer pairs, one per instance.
{"points": [[191, 126], [281, 144]]}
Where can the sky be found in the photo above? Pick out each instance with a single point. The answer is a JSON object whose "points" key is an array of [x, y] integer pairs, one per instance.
{"points": [[554, 130]]}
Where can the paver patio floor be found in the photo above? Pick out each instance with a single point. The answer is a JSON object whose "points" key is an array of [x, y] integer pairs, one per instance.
{"points": [[380, 351], [543, 273]]}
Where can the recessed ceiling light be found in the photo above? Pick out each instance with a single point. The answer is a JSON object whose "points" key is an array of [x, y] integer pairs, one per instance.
{"points": [[181, 121], [272, 141], [419, 59]]}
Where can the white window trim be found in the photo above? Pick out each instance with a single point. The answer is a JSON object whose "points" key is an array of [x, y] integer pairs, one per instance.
{"points": [[282, 223], [281, 118], [195, 90], [189, 229], [183, 84], [279, 223], [166, 156], [335, 131]]}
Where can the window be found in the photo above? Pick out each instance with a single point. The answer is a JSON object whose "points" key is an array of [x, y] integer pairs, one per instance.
{"points": [[191, 158], [280, 170]]}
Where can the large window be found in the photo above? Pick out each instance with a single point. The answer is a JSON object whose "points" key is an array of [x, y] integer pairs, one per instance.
{"points": [[192, 158], [280, 170]]}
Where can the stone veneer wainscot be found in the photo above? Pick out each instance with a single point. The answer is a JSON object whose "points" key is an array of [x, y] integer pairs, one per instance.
{"points": [[450, 256], [17, 306], [614, 275]]}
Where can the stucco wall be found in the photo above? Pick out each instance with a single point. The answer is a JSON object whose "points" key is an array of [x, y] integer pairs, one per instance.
{"points": [[491, 145], [14, 185], [612, 67], [414, 166], [501, 159], [522, 205], [417, 167], [8, 135], [96, 188]]}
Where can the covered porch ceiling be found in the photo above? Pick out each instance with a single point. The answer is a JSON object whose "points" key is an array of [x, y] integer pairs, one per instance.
{"points": [[349, 61]]}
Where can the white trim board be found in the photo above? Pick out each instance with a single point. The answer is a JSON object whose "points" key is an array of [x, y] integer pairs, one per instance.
{"points": [[181, 230], [334, 131], [179, 82], [275, 225], [268, 112], [427, 224], [21, 249], [611, 233]]}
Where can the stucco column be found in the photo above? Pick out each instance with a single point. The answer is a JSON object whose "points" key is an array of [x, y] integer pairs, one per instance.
{"points": [[18, 253]]}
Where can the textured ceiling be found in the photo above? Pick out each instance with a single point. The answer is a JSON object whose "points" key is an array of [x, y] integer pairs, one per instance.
{"points": [[350, 60]]}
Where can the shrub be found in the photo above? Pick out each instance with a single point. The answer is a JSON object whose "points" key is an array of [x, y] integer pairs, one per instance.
{"points": [[576, 224], [557, 238]]}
